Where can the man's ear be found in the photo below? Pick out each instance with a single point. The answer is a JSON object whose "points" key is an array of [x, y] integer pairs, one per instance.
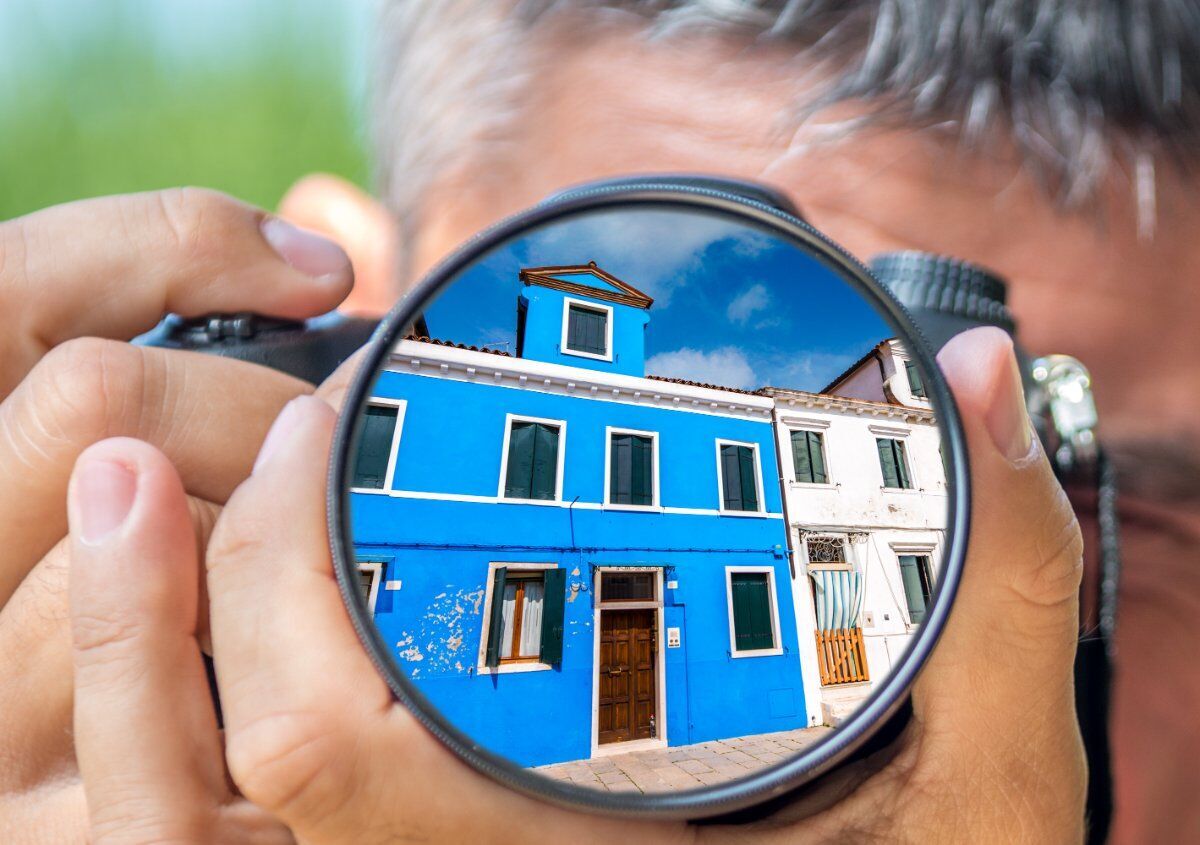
{"points": [[360, 224]]}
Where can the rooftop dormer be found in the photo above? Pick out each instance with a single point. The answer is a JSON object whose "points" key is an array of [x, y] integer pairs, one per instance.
{"points": [[581, 316]]}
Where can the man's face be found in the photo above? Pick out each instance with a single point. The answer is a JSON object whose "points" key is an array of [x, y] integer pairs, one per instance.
{"points": [[1082, 284]]}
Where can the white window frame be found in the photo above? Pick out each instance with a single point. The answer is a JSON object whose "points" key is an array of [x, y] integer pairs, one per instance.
{"points": [[375, 567], [485, 629], [655, 500], [775, 632], [927, 550], [844, 566], [758, 480], [389, 478], [607, 310], [790, 469], [561, 425]]}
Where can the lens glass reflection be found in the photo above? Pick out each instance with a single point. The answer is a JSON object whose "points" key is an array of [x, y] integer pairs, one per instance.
{"points": [[649, 499]]}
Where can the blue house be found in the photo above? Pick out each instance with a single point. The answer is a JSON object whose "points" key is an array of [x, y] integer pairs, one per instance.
{"points": [[564, 552]]}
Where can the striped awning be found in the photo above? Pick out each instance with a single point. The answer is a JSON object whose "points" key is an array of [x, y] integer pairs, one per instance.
{"points": [[839, 598]]}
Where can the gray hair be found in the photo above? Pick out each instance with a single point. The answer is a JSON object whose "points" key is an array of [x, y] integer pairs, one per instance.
{"points": [[1080, 86]]}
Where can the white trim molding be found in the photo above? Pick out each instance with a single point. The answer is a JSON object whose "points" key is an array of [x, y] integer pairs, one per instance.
{"points": [[606, 310], [655, 505], [774, 603], [758, 480], [509, 419], [481, 666]]}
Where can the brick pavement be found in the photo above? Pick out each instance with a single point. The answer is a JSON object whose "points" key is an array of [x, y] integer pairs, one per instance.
{"points": [[684, 767]]}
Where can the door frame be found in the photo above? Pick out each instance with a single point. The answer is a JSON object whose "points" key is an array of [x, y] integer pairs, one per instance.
{"points": [[660, 665]]}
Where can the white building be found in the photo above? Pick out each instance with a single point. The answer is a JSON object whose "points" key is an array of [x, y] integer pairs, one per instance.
{"points": [[865, 499]]}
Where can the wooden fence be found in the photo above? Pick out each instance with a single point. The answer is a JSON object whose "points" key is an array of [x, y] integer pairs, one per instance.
{"points": [[841, 656]]}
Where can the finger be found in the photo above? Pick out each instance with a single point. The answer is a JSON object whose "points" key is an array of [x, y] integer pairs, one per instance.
{"points": [[312, 731], [360, 224], [1008, 649], [208, 414], [113, 266], [145, 731], [334, 389], [35, 649]]}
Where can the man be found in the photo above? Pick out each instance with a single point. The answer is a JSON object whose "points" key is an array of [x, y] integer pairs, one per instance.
{"points": [[483, 111]]}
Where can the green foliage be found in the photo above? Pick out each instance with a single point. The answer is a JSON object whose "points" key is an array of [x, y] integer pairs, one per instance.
{"points": [[107, 107]]}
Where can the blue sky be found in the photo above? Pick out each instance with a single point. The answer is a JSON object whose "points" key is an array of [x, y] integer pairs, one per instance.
{"points": [[734, 305]]}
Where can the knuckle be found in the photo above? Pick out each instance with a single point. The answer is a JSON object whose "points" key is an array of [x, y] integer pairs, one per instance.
{"points": [[1058, 550], [189, 216], [15, 252], [232, 543], [287, 763], [80, 385], [105, 639]]}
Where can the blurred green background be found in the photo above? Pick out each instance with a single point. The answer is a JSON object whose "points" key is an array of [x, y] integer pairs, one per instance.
{"points": [[126, 95]]}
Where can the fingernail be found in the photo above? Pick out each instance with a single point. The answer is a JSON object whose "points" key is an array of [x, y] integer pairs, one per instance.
{"points": [[280, 431], [308, 252], [1007, 418], [104, 494]]}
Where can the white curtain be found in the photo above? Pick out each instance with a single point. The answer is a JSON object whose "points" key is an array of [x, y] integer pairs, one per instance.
{"points": [[531, 619], [506, 619]]}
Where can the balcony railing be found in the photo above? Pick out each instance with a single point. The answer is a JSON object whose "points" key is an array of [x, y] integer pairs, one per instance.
{"points": [[841, 657]]}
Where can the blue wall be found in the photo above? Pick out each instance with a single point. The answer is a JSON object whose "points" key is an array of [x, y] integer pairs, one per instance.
{"points": [[451, 443]]}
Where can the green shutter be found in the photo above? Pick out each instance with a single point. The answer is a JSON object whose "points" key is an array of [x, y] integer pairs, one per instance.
{"points": [[749, 488], [800, 460], [587, 330], [911, 576], [887, 462], [902, 464], [731, 485], [496, 622], [752, 629], [519, 474], [816, 454], [553, 607], [915, 384], [631, 470], [374, 446], [545, 462]]}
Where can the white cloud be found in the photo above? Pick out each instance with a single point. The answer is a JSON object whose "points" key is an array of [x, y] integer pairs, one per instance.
{"points": [[655, 251], [747, 303], [725, 366]]}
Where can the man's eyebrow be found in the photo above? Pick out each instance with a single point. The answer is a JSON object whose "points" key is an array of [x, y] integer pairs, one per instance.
{"points": [[1158, 469]]}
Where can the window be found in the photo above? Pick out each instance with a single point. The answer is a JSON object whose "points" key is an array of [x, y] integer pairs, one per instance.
{"points": [[631, 468], [918, 585], [826, 553], [532, 466], [808, 457], [754, 628], [738, 471], [894, 463], [587, 329], [626, 586], [369, 573], [526, 620], [915, 385], [376, 445]]}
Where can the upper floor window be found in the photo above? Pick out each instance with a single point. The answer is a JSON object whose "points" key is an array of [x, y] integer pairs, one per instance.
{"points": [[632, 468], [894, 463], [587, 329], [369, 573], [915, 385], [741, 486], [533, 460], [808, 457], [917, 577], [377, 442]]}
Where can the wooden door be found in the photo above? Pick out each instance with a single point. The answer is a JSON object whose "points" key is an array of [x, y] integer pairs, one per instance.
{"points": [[628, 677]]}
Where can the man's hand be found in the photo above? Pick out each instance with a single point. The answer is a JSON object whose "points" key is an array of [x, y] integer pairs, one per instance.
{"points": [[315, 738], [76, 281]]}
